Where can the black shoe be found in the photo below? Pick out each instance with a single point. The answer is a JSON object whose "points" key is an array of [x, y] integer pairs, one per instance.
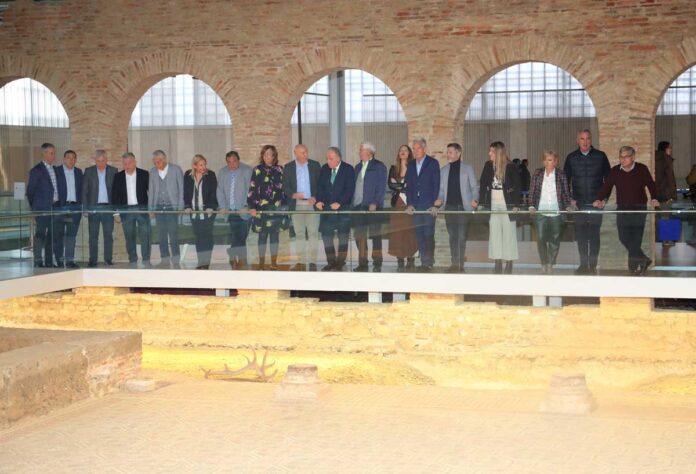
{"points": [[508, 267], [644, 267], [498, 269], [361, 268], [71, 265], [92, 264], [312, 267], [109, 263], [377, 267], [39, 265], [453, 269], [592, 270], [410, 264], [60, 264], [581, 270], [425, 269], [400, 264], [328, 267]]}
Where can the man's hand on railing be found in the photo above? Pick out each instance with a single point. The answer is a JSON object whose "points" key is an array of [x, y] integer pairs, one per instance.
{"points": [[532, 210], [319, 205], [298, 195], [188, 210], [335, 206], [474, 203], [312, 201], [372, 207], [152, 215], [433, 210], [438, 203], [252, 212], [599, 204], [409, 210], [209, 211], [515, 209]]}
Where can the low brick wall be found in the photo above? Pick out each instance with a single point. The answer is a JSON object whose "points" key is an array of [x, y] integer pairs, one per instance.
{"points": [[52, 369], [618, 343]]}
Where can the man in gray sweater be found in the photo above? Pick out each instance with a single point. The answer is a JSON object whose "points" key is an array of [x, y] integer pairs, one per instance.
{"points": [[166, 189]]}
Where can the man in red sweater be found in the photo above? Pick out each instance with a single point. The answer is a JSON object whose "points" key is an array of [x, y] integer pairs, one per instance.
{"points": [[630, 179]]}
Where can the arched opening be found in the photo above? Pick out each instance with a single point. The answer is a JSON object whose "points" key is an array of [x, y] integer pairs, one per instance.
{"points": [[531, 107], [183, 116], [345, 108], [30, 114], [675, 122]]}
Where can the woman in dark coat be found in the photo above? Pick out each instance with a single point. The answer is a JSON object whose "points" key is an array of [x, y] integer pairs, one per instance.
{"points": [[266, 194], [501, 190], [200, 200], [402, 234]]}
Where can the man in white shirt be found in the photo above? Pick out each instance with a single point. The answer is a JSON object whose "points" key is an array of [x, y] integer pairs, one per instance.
{"points": [[130, 200], [69, 180]]}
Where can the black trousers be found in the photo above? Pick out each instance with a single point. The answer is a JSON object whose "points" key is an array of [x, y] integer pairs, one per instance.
{"points": [[168, 233], [66, 233], [457, 229], [264, 237], [106, 221], [631, 227], [136, 226], [548, 237], [335, 225], [587, 228], [203, 234], [239, 231], [44, 237], [367, 226]]}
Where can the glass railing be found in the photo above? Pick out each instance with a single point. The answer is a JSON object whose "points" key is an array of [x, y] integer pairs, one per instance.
{"points": [[520, 242]]}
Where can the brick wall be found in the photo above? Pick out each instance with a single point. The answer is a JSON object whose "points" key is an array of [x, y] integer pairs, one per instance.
{"points": [[619, 343], [100, 56]]}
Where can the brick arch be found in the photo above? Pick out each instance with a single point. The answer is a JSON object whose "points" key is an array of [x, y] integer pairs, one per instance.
{"points": [[663, 72], [16, 67], [471, 70], [296, 77], [128, 84]]}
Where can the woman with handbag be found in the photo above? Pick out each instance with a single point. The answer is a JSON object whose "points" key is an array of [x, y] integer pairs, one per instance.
{"points": [[548, 194], [501, 190]]}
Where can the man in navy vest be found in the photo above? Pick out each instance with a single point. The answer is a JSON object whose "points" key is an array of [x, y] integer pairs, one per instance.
{"points": [[422, 189], [42, 194], [69, 179]]}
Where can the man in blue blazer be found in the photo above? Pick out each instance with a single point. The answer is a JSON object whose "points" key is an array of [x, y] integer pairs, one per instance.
{"points": [[42, 194], [335, 193], [69, 179], [370, 187], [422, 189]]}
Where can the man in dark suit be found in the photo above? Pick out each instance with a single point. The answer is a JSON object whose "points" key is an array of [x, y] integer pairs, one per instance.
{"points": [[334, 193], [370, 187], [69, 179], [97, 188], [422, 189], [300, 178], [130, 195], [42, 194]]}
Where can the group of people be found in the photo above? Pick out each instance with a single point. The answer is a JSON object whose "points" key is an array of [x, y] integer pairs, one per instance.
{"points": [[347, 198]]}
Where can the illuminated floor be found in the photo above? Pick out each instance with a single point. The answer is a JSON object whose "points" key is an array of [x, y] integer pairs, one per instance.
{"points": [[213, 426]]}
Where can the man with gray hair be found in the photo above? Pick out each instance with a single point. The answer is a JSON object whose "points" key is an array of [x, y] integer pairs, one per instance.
{"points": [[370, 188], [630, 179], [130, 194], [300, 178], [166, 195], [97, 188]]}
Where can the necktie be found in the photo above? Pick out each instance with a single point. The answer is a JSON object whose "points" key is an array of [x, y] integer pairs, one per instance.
{"points": [[333, 175]]}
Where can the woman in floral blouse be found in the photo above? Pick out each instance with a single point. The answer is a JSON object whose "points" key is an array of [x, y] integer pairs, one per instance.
{"points": [[266, 194]]}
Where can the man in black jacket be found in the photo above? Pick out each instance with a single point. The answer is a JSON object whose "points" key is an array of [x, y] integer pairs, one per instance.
{"points": [[586, 169], [130, 194]]}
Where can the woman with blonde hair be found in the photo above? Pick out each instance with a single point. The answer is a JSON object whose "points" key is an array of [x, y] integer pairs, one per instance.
{"points": [[200, 200], [548, 194], [501, 190]]}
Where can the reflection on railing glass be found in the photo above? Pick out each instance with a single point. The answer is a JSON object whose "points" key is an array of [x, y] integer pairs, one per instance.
{"points": [[482, 241]]}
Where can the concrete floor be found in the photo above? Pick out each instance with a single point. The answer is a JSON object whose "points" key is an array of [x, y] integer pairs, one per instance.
{"points": [[217, 426]]}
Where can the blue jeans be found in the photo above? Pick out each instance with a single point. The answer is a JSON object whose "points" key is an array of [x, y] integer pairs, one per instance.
{"points": [[425, 235]]}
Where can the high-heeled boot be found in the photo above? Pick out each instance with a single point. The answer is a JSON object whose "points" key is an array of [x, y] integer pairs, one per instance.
{"points": [[498, 266], [508, 266], [400, 264]]}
